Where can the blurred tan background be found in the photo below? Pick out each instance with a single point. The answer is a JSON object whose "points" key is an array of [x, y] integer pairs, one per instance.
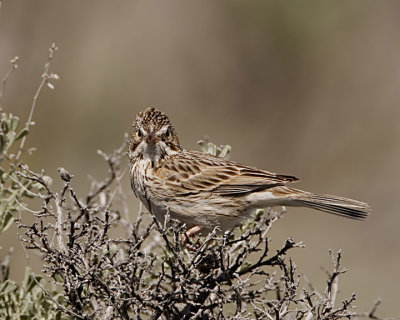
{"points": [[308, 88]]}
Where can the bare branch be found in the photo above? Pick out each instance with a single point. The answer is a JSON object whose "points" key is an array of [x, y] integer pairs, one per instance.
{"points": [[148, 272], [14, 66], [46, 77]]}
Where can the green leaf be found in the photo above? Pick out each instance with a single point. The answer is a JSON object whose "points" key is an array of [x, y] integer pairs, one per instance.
{"points": [[201, 143], [7, 287], [212, 149], [58, 315], [4, 177], [258, 214], [244, 266], [30, 281], [2, 142], [14, 121], [11, 139], [5, 125], [224, 151], [22, 133], [8, 220]]}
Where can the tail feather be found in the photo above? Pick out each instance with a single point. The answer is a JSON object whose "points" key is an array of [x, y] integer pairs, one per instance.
{"points": [[333, 204]]}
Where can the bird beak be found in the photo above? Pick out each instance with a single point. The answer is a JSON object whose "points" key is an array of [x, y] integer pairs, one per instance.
{"points": [[151, 138]]}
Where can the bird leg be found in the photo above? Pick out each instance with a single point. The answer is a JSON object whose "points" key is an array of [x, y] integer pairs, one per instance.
{"points": [[185, 238]]}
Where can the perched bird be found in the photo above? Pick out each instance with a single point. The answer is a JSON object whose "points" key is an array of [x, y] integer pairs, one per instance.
{"points": [[203, 191]]}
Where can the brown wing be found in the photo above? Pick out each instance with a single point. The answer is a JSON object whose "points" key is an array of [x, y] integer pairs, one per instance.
{"points": [[193, 172]]}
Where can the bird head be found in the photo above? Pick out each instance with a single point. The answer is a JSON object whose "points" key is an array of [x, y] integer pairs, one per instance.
{"points": [[154, 137]]}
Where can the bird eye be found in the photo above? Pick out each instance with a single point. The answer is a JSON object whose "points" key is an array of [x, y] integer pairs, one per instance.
{"points": [[139, 133], [167, 133]]}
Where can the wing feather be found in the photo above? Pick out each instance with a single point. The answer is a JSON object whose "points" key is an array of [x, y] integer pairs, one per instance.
{"points": [[194, 172]]}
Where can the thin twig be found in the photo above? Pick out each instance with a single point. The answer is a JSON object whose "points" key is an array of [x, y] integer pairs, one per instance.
{"points": [[14, 66], [59, 224], [45, 80], [48, 295]]}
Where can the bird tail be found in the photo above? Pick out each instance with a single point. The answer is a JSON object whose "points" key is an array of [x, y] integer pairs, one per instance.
{"points": [[332, 204]]}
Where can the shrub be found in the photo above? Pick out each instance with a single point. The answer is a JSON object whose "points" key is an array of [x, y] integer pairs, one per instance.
{"points": [[95, 271]]}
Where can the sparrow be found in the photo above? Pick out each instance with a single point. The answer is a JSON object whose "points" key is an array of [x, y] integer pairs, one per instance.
{"points": [[203, 191]]}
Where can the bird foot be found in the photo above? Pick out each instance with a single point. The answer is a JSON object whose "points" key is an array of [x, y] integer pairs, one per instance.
{"points": [[185, 238]]}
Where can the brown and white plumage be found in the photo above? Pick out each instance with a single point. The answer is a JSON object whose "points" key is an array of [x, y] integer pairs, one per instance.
{"points": [[206, 191]]}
